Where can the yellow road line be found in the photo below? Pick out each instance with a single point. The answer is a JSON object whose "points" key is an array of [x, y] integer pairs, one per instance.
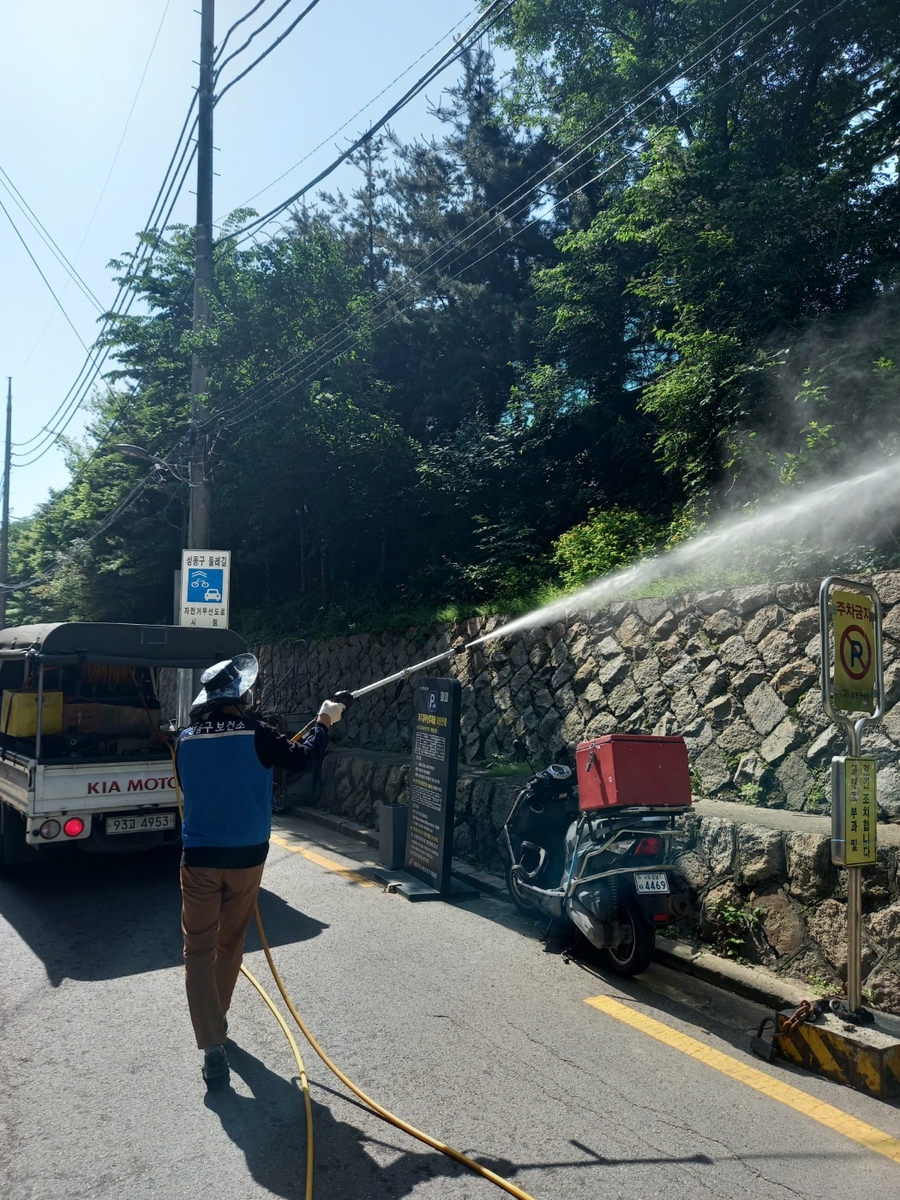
{"points": [[825, 1114], [321, 861]]}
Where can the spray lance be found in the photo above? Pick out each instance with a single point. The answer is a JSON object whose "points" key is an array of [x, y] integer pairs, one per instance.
{"points": [[345, 698]]}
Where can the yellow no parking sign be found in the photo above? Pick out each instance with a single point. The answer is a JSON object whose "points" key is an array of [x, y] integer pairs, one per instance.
{"points": [[854, 652]]}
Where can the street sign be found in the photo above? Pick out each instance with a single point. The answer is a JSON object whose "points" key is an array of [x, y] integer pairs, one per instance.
{"points": [[205, 584], [854, 652], [854, 838], [432, 782]]}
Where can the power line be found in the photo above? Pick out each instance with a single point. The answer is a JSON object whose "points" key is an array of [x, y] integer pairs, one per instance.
{"points": [[79, 390], [125, 128], [37, 266], [296, 382], [487, 19], [42, 232], [305, 373], [358, 113], [290, 29], [519, 196]]}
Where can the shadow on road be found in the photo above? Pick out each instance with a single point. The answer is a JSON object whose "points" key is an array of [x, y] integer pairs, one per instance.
{"points": [[106, 918], [269, 1128]]}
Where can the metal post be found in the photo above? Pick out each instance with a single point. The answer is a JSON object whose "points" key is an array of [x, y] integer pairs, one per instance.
{"points": [[854, 731], [40, 714], [198, 525], [4, 522]]}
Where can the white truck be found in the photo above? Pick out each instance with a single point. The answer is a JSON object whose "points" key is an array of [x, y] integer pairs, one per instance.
{"points": [[83, 760]]}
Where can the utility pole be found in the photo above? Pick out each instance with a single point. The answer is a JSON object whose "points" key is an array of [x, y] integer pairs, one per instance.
{"points": [[198, 523], [4, 524]]}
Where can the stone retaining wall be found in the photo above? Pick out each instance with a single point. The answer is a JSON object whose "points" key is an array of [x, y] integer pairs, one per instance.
{"points": [[735, 672]]}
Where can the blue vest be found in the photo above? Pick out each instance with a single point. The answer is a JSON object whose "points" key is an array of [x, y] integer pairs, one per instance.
{"points": [[227, 791]]}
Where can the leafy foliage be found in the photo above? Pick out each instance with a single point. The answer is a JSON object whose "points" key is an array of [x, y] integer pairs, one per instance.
{"points": [[652, 280]]}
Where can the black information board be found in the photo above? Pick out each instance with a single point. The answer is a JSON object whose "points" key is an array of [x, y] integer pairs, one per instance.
{"points": [[432, 781]]}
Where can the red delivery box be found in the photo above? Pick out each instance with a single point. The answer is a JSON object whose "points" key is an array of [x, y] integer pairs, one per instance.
{"points": [[625, 769]]}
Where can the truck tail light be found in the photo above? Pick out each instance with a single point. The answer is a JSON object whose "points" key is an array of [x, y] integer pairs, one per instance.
{"points": [[73, 827], [648, 846], [49, 830]]}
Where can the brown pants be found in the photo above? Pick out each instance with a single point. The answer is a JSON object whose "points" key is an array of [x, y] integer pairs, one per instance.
{"points": [[217, 905]]}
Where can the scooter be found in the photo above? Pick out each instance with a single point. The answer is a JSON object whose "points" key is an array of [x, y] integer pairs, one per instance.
{"points": [[603, 868]]}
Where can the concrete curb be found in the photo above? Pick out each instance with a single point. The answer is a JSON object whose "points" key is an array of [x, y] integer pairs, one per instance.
{"points": [[752, 983]]}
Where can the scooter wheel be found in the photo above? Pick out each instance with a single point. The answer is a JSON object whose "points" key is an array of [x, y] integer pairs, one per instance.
{"points": [[521, 900], [633, 956]]}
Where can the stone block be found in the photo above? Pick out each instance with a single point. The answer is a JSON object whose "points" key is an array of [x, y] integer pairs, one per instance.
{"points": [[608, 648], [651, 610], [613, 671], [669, 651], [585, 675], [712, 681], [748, 600], [763, 622], [721, 711], [783, 926], [600, 725], [518, 654], [666, 726], [811, 875], [887, 584], [647, 672], [736, 653], [562, 675], [548, 728], [736, 738], [684, 706], [796, 780], [795, 679], [712, 769], [761, 856], [656, 703], [710, 602], [765, 710], [890, 625], [751, 769], [695, 871], [593, 694], [721, 625], [796, 596], [664, 627], [783, 738], [697, 736], [690, 623], [887, 785], [777, 649], [883, 984], [700, 650], [892, 683], [803, 626], [715, 845], [632, 633], [743, 682], [624, 699], [543, 700], [883, 927], [679, 674]]}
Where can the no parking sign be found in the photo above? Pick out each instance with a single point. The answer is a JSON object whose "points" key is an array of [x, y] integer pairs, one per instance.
{"points": [[853, 623]]}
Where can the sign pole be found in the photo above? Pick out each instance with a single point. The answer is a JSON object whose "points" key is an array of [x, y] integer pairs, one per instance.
{"points": [[850, 621]]}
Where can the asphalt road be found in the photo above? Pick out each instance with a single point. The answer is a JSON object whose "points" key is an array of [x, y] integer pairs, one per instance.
{"points": [[454, 1017]]}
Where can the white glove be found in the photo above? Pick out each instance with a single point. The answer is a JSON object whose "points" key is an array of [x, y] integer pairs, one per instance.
{"points": [[333, 710]]}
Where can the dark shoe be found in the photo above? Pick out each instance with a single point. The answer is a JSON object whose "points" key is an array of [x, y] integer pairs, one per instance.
{"points": [[215, 1065]]}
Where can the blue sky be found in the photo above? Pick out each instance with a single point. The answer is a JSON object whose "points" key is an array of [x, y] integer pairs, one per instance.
{"points": [[69, 75]]}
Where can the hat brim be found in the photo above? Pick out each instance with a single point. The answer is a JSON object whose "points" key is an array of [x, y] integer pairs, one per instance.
{"points": [[247, 666]]}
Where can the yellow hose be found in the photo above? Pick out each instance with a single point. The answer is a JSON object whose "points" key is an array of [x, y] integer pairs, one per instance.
{"points": [[304, 1082], [377, 1108]]}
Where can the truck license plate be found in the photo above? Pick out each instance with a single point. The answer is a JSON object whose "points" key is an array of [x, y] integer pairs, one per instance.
{"points": [[142, 823], [651, 882]]}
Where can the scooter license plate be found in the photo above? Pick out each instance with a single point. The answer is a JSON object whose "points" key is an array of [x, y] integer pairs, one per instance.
{"points": [[651, 883]]}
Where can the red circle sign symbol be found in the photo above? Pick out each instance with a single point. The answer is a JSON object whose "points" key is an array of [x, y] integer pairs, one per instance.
{"points": [[856, 652]]}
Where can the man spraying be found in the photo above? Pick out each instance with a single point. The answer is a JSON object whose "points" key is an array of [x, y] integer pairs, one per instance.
{"points": [[225, 761]]}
